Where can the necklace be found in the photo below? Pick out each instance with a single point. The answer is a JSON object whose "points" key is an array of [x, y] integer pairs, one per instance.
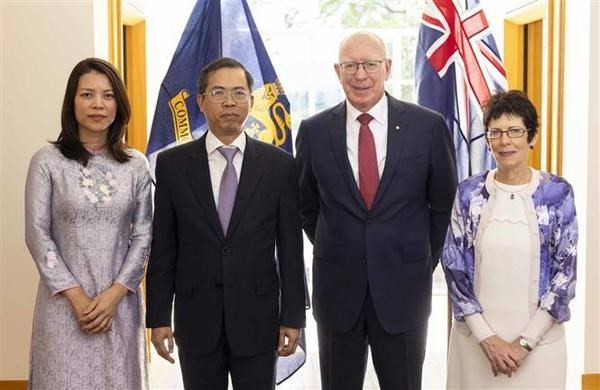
{"points": [[509, 189], [512, 189]]}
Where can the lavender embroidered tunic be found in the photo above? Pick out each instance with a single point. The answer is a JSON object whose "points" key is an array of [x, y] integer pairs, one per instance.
{"points": [[89, 227]]}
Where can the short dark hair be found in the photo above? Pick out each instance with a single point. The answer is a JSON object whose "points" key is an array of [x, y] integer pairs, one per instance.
{"points": [[68, 140], [219, 63], [512, 103]]}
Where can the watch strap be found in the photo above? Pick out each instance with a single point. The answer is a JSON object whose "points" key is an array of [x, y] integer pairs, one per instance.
{"points": [[523, 343]]}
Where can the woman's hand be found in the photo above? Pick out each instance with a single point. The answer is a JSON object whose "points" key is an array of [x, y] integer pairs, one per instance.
{"points": [[519, 351], [99, 313], [504, 357], [79, 301]]}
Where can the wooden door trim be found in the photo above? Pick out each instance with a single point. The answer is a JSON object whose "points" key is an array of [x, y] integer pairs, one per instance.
{"points": [[552, 13], [123, 18]]}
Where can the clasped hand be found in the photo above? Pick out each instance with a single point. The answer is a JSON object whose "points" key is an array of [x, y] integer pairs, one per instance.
{"points": [[505, 358], [95, 315]]}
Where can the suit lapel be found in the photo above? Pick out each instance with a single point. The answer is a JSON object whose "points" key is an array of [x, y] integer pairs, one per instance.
{"points": [[252, 170], [199, 176], [396, 133], [337, 134]]}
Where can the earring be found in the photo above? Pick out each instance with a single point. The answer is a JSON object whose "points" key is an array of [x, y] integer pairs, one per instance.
{"points": [[531, 147]]}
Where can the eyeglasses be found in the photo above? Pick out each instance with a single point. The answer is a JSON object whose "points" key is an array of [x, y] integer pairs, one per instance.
{"points": [[368, 66], [513, 132], [219, 95]]}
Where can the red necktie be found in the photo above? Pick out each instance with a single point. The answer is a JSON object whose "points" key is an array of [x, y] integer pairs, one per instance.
{"points": [[368, 174]]}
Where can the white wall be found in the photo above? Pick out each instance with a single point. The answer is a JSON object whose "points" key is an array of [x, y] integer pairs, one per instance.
{"points": [[576, 133], [592, 308], [41, 42]]}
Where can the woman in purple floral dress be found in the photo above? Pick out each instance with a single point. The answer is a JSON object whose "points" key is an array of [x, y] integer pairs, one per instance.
{"points": [[88, 228], [510, 262]]}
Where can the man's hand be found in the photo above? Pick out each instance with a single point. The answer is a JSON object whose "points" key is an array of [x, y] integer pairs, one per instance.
{"points": [[158, 340], [504, 357], [292, 336], [100, 312]]}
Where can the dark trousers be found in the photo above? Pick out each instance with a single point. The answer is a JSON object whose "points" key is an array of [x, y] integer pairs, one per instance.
{"points": [[397, 358], [209, 372]]}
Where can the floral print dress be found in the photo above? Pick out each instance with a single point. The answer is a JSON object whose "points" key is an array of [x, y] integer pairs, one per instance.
{"points": [[90, 227]]}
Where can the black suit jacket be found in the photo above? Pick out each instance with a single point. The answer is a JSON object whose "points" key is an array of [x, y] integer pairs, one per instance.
{"points": [[235, 277], [392, 248]]}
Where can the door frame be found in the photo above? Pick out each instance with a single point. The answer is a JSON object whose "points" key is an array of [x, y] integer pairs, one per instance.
{"points": [[534, 40]]}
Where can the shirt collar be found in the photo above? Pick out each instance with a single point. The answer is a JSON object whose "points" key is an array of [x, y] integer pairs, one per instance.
{"points": [[378, 111], [213, 143]]}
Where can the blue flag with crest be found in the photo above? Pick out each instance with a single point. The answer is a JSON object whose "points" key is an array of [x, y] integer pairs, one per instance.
{"points": [[218, 29]]}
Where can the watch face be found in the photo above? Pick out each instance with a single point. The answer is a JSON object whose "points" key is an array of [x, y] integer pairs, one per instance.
{"points": [[523, 343]]}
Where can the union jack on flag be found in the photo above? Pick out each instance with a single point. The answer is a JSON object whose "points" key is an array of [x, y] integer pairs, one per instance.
{"points": [[457, 68]]}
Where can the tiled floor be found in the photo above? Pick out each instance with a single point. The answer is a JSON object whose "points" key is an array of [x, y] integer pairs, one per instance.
{"points": [[166, 376]]}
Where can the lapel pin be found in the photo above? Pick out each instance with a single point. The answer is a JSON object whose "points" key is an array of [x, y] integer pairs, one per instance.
{"points": [[397, 127]]}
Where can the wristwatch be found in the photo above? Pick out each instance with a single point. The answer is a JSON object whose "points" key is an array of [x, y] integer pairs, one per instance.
{"points": [[523, 343]]}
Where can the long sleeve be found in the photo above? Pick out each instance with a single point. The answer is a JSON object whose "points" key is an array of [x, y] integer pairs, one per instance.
{"points": [[309, 193], [132, 270], [457, 261], [289, 251], [479, 326], [38, 226], [537, 326], [441, 186], [563, 248], [160, 278]]}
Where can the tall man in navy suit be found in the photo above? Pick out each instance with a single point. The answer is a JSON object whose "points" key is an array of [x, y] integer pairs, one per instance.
{"points": [[377, 181], [214, 246]]}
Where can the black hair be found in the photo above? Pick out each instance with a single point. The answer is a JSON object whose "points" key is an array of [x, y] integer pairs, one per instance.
{"points": [[513, 103], [68, 140]]}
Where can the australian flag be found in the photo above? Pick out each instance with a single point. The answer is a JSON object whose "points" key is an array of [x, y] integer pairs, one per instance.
{"points": [[458, 67], [218, 29], [222, 29]]}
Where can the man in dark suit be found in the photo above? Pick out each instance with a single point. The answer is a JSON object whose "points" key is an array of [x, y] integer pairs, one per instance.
{"points": [[377, 181], [214, 246]]}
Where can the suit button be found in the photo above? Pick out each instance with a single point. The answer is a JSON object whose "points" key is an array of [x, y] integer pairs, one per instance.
{"points": [[226, 251], [219, 286]]}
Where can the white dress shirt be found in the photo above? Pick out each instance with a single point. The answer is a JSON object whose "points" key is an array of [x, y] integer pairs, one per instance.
{"points": [[379, 128], [217, 162]]}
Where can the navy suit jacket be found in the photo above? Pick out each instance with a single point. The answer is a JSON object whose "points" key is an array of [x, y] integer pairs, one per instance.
{"points": [[392, 248], [232, 278]]}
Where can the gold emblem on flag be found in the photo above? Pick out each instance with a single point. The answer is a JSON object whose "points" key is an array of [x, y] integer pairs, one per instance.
{"points": [[181, 117], [269, 120]]}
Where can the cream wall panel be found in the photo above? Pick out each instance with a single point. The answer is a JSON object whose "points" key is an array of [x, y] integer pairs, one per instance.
{"points": [[576, 135], [41, 42], [592, 308]]}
